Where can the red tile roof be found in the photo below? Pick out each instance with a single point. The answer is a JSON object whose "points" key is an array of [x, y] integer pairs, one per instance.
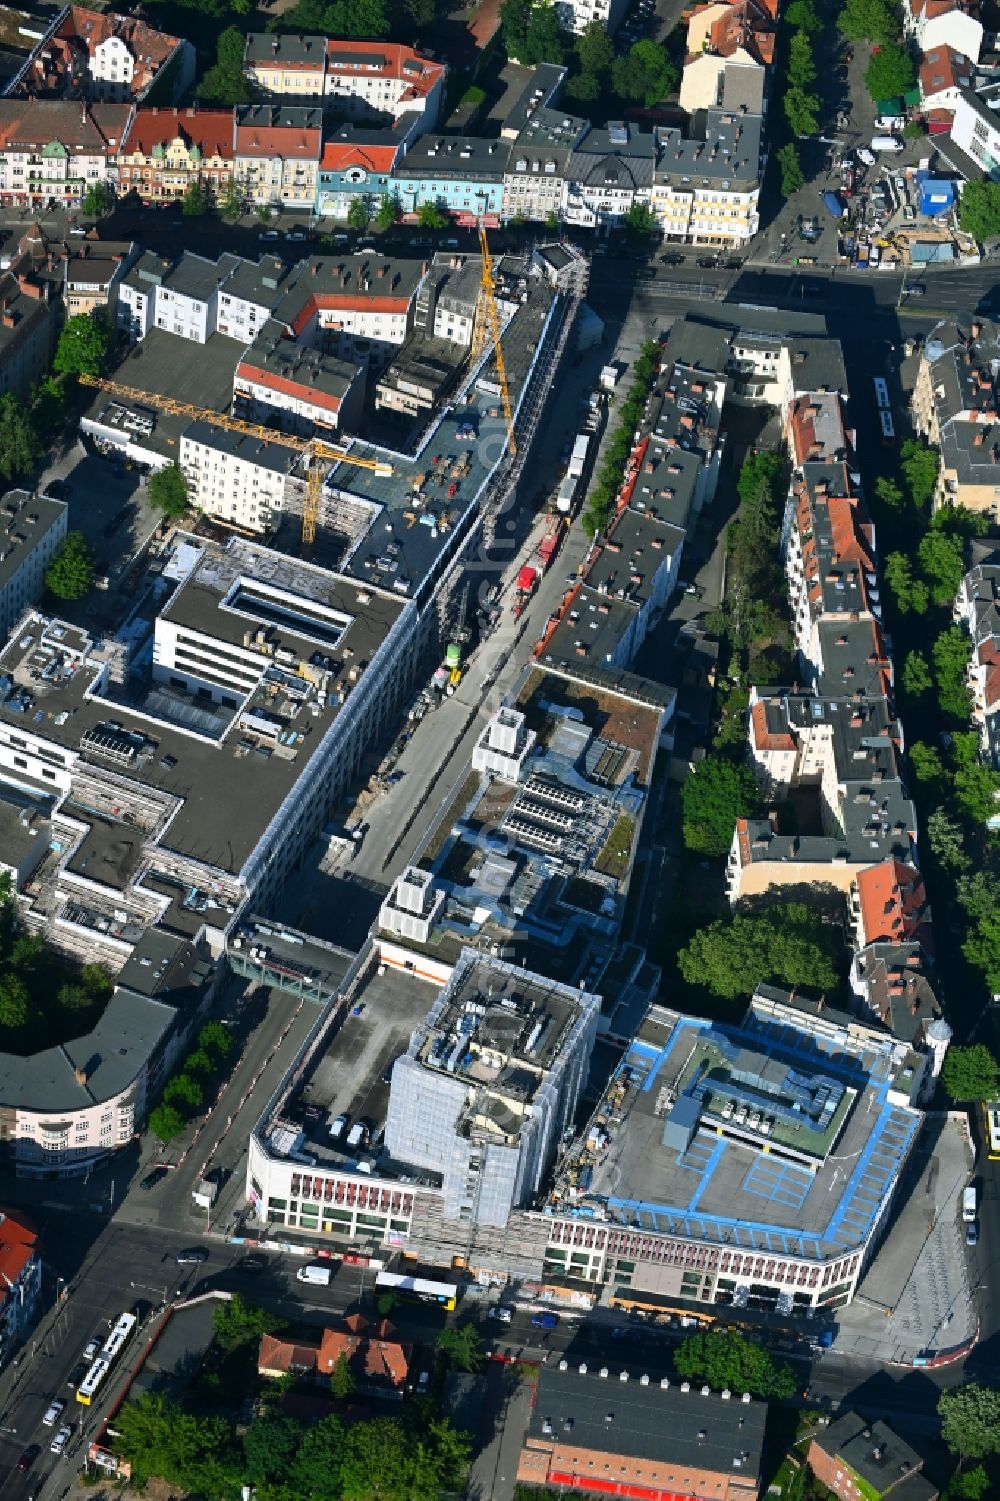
{"points": [[279, 140], [345, 302], [17, 1247], [300, 390], [419, 73], [763, 738], [150, 48], [372, 1350], [943, 68], [893, 902], [338, 155], [211, 130]]}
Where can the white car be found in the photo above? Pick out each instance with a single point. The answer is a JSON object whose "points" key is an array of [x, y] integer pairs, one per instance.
{"points": [[91, 1348], [268, 234], [53, 1413], [295, 234], [62, 1438], [502, 1315]]}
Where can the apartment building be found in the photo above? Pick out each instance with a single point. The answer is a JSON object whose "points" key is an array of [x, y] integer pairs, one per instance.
{"points": [[20, 1282], [955, 405], [52, 151], [576, 15], [461, 175], [101, 55], [609, 171], [744, 30], [239, 479], [93, 272], [975, 130], [357, 162], [540, 92], [381, 81], [31, 529], [276, 154], [194, 298], [27, 331], [306, 390], [663, 1439], [535, 180], [359, 308], [861, 1460], [888, 904], [977, 608], [705, 188], [289, 68], [945, 23], [704, 81], [944, 73], [165, 151]]}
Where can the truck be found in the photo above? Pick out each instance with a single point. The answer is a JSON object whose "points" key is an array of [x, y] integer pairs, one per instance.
{"points": [[544, 1320], [886, 143], [205, 1193], [550, 543], [579, 457], [832, 204], [969, 1204], [566, 496], [527, 583]]}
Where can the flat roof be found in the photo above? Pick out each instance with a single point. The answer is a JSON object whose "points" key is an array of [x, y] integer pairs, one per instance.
{"points": [[24, 521], [689, 1430], [723, 1187]]}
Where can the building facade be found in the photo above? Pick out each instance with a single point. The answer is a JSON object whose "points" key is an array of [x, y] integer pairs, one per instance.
{"points": [[276, 154], [167, 151], [31, 529], [53, 151]]}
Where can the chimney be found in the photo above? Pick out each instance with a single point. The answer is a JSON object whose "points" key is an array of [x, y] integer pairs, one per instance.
{"points": [[81, 1076], [9, 320]]}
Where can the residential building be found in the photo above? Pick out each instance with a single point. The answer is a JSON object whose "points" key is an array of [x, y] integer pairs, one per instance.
{"points": [[662, 1441], [359, 308], [576, 15], [377, 1358], [742, 28], [535, 178], [609, 171], [489, 1084], [308, 391], [167, 151], [461, 175], [357, 163], [93, 272], [31, 528], [27, 331], [944, 73], [863, 1460], [381, 81], [20, 1282], [239, 479], [286, 67], [978, 609], [100, 55], [888, 904], [711, 80], [975, 130], [955, 407], [542, 87], [895, 984], [945, 23], [276, 154], [705, 187], [52, 151], [195, 298]]}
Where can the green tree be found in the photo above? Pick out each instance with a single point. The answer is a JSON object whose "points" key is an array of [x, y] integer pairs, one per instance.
{"points": [[429, 216], [225, 85], [970, 1418], [231, 203], [890, 74], [165, 1122], [595, 50], [976, 789], [869, 21], [199, 1062], [792, 176], [97, 981], [941, 556], [801, 111], [74, 997], [917, 678], [48, 405], [727, 1361], [715, 794], [947, 842], [514, 18], [787, 944], [71, 572], [979, 210], [919, 463], [973, 1485], [970, 1074], [237, 1322], [316, 1470], [583, 88], [386, 1303], [950, 656], [358, 214], [167, 491], [982, 949], [14, 998], [184, 1092], [161, 1438], [647, 73], [910, 593], [387, 213], [270, 1446], [926, 763], [888, 492], [801, 15], [463, 1347], [544, 41], [374, 1462], [640, 221], [343, 1382], [216, 1039], [19, 445], [760, 484], [552, 221], [979, 894], [801, 63], [197, 199], [84, 345], [97, 200]]}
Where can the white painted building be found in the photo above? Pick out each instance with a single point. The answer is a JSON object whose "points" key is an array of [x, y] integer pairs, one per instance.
{"points": [[238, 479], [31, 529]]}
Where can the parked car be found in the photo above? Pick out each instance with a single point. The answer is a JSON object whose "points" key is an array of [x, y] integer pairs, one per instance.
{"points": [[193, 1256], [544, 1320], [268, 234], [672, 258], [916, 290], [54, 1412], [252, 1264], [153, 1178], [91, 1348], [502, 1315], [707, 262], [62, 1438], [28, 1456], [971, 1233]]}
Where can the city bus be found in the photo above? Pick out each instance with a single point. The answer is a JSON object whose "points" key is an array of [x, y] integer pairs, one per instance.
{"points": [[119, 1337], [94, 1379], [417, 1289], [881, 393], [888, 431], [991, 1110]]}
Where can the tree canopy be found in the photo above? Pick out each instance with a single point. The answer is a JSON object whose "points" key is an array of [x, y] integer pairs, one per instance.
{"points": [[19, 445], [531, 32], [970, 1420], [788, 943], [97, 200], [168, 491], [950, 657], [225, 85], [715, 794], [646, 73], [726, 1361], [890, 73], [919, 463], [970, 1074], [792, 176], [358, 213], [71, 572], [429, 216], [869, 21], [463, 1347], [237, 1322], [84, 345], [979, 210]]}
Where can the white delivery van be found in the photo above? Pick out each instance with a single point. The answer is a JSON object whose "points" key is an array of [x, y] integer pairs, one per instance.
{"points": [[337, 1124], [886, 143], [318, 1275], [969, 1205]]}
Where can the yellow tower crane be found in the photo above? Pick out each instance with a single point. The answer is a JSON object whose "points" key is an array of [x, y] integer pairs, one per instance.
{"points": [[488, 319], [318, 452]]}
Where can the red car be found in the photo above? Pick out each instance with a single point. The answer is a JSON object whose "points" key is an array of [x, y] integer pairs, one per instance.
{"points": [[29, 1456]]}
